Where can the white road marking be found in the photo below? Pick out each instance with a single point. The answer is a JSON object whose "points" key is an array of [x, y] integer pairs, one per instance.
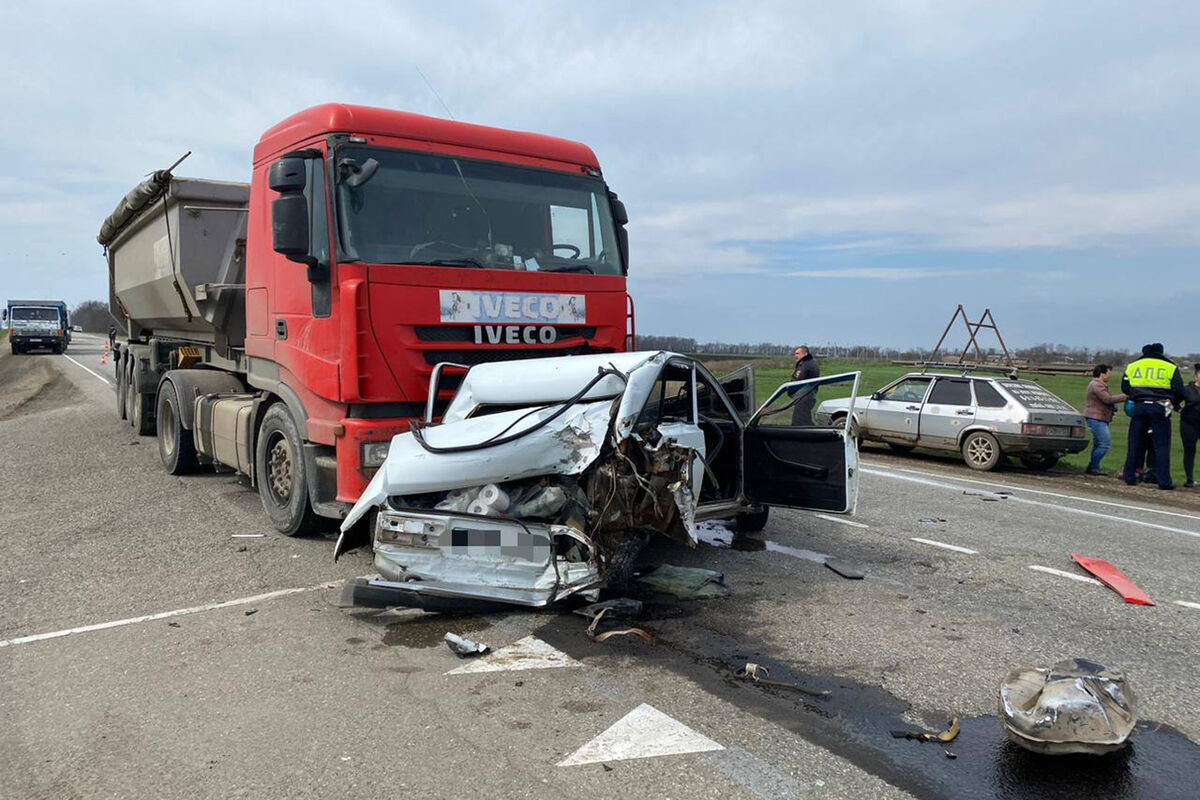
{"points": [[179, 612], [82, 367], [248, 536], [953, 547], [1064, 574], [1188, 604], [842, 520], [1019, 488], [528, 653], [644, 732], [1018, 499]]}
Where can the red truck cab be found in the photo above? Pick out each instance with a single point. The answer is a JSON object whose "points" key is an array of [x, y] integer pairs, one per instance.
{"points": [[381, 243]]}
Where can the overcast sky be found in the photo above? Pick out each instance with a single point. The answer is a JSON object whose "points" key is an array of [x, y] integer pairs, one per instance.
{"points": [[826, 172]]}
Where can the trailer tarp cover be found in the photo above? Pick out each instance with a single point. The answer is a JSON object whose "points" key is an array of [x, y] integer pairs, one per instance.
{"points": [[132, 204]]}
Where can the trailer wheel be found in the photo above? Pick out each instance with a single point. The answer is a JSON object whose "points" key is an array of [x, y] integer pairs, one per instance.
{"points": [[139, 414], [130, 390], [175, 444], [752, 521], [120, 370], [281, 474]]}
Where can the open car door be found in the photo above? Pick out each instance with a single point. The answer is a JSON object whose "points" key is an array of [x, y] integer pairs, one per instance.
{"points": [[801, 467]]}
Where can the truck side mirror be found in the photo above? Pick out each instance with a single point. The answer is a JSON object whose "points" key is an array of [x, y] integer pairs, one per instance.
{"points": [[289, 211], [621, 217]]}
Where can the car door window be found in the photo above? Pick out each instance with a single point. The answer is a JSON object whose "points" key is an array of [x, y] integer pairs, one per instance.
{"points": [[671, 399], [987, 396], [950, 392], [910, 390]]}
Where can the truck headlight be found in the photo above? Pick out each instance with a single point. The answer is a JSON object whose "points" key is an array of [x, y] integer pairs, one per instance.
{"points": [[374, 454]]}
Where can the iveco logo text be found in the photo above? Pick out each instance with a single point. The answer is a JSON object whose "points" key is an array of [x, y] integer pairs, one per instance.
{"points": [[515, 334]]}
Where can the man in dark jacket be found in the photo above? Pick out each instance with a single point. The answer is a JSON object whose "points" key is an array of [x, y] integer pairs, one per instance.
{"points": [[805, 397], [1154, 386], [1189, 425]]}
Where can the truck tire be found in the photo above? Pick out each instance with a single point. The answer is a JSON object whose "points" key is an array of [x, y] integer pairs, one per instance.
{"points": [[139, 414], [281, 473], [175, 444], [121, 389], [981, 451], [130, 390]]}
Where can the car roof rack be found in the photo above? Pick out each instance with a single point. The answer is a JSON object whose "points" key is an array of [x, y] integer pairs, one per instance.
{"points": [[965, 369]]}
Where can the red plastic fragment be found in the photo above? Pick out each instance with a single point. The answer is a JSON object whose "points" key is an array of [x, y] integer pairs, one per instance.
{"points": [[1114, 579]]}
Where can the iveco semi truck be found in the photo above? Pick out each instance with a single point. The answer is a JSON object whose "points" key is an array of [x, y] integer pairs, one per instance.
{"points": [[289, 327]]}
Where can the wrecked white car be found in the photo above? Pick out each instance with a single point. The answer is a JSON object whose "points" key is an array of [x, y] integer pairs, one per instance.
{"points": [[546, 477]]}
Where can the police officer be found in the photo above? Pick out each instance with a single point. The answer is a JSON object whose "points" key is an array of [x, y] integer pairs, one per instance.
{"points": [[1154, 385]]}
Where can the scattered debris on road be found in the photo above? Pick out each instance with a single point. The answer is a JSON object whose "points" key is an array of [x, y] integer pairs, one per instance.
{"points": [[463, 647], [686, 583], [758, 673], [1114, 579], [251, 611], [616, 608], [1076, 706], [948, 735], [986, 496], [845, 569], [592, 633]]}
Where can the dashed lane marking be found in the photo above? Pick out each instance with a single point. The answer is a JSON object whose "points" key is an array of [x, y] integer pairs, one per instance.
{"points": [[1021, 488], [1064, 574], [842, 520], [85, 369], [1188, 604], [953, 547], [528, 653], [1025, 500], [179, 612], [644, 732]]}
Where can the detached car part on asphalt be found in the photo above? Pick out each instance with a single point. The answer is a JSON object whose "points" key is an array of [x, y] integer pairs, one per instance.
{"points": [[1076, 706], [984, 418], [546, 477]]}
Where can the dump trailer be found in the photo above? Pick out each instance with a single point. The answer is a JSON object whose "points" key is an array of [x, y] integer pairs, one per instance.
{"points": [[38, 324], [289, 327]]}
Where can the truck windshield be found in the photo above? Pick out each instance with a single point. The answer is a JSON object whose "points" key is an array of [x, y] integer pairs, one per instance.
{"points": [[397, 207], [39, 314]]}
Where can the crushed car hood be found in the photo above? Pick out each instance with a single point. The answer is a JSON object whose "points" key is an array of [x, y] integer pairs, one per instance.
{"points": [[566, 446]]}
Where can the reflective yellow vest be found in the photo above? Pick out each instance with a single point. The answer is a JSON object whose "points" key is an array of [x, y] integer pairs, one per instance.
{"points": [[1150, 373]]}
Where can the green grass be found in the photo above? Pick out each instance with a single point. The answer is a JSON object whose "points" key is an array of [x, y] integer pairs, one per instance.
{"points": [[770, 373]]}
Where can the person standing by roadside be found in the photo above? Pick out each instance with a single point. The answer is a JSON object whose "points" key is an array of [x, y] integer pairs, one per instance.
{"points": [[1098, 413], [1154, 385], [112, 336], [806, 397], [1189, 425]]}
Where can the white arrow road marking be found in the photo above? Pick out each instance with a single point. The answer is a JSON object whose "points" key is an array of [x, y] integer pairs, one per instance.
{"points": [[644, 732], [1064, 574], [528, 653], [953, 547]]}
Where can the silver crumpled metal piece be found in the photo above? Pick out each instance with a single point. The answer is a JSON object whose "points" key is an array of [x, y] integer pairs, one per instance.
{"points": [[1076, 706]]}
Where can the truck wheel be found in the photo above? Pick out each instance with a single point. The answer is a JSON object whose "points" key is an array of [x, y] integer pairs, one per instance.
{"points": [[752, 521], [1039, 462], [175, 444], [120, 370], [281, 474], [981, 451], [139, 414], [130, 391]]}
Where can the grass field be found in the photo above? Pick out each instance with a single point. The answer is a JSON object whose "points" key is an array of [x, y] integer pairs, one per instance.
{"points": [[769, 373]]}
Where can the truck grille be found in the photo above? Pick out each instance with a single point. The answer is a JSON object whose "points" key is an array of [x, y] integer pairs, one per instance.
{"points": [[473, 357], [466, 333]]}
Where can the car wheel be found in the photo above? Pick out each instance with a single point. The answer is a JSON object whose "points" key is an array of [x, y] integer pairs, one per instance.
{"points": [[620, 567], [121, 393], [752, 521], [1039, 462], [176, 447], [281, 474], [901, 448], [981, 451]]}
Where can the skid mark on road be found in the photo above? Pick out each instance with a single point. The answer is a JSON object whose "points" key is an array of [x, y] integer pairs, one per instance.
{"points": [[1019, 488], [1026, 501], [179, 612]]}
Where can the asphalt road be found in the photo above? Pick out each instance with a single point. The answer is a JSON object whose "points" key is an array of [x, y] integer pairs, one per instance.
{"points": [[285, 694]]}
